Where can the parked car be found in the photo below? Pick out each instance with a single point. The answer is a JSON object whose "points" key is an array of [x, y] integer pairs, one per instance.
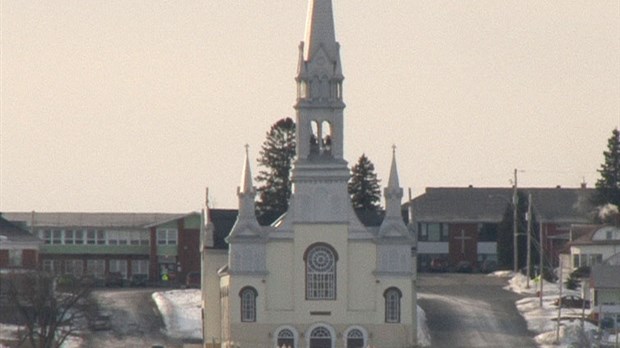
{"points": [[192, 280], [464, 267], [114, 279], [439, 265], [138, 280], [100, 322], [571, 301]]}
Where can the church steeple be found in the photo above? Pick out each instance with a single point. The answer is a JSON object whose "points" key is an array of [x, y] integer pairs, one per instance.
{"points": [[319, 88], [393, 225], [246, 224], [320, 28], [320, 173]]}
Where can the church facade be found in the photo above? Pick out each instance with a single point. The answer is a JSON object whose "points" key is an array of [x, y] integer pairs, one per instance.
{"points": [[317, 277]]}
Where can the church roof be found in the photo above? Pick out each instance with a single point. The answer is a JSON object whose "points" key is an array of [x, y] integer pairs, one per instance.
{"points": [[469, 204]]}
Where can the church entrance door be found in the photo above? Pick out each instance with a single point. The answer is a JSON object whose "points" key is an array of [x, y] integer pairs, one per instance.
{"points": [[320, 337]]}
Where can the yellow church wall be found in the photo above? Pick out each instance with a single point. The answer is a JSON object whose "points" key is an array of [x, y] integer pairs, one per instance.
{"points": [[279, 295], [211, 289], [335, 235], [361, 282]]}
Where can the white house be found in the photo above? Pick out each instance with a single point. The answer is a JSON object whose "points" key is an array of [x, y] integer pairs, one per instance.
{"points": [[317, 277], [605, 289], [596, 243]]}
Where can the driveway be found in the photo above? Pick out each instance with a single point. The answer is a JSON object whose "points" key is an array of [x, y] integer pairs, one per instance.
{"points": [[472, 310], [135, 320]]}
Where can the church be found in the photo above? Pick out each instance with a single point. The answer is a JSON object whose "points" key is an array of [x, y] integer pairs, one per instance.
{"points": [[317, 277]]}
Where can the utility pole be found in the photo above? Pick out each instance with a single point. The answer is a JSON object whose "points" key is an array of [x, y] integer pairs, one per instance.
{"points": [[414, 276], [515, 204], [529, 239], [542, 256]]}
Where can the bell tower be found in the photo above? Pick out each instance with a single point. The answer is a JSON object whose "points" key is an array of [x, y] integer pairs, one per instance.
{"points": [[319, 88], [320, 173]]}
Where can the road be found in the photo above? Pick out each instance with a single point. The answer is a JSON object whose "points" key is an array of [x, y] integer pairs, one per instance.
{"points": [[471, 310], [135, 320]]}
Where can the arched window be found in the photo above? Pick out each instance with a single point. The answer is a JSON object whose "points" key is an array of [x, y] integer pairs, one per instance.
{"points": [[355, 339], [326, 131], [320, 272], [286, 339], [320, 337], [248, 304], [392, 305]]}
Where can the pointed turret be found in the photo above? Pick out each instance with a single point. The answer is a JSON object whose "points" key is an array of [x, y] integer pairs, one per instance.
{"points": [[246, 224], [393, 224]]}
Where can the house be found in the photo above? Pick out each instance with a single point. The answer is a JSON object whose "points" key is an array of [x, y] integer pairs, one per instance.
{"points": [[19, 249], [146, 244], [605, 289], [594, 244], [460, 223], [317, 277]]}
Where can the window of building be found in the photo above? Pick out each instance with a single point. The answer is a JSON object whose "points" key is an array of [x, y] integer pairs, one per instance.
{"points": [[320, 272], [432, 232], [74, 267], [392, 305], [56, 237], [355, 339], [140, 267], [95, 268], [117, 265], [15, 258], [167, 236], [248, 304]]}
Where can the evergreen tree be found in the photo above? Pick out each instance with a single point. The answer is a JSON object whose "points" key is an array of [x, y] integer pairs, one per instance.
{"points": [[505, 236], [608, 186], [364, 186], [276, 157]]}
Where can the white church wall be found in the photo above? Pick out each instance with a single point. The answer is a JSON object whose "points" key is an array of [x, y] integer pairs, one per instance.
{"points": [[361, 285]]}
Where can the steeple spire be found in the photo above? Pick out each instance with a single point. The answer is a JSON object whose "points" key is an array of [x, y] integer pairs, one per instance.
{"points": [[320, 28], [393, 180], [246, 176], [393, 224], [246, 224]]}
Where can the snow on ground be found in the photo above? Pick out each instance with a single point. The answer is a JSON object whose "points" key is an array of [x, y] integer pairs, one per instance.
{"points": [[542, 320], [10, 333], [180, 310]]}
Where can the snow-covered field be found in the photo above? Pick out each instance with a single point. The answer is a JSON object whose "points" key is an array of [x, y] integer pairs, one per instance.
{"points": [[543, 320], [180, 310]]}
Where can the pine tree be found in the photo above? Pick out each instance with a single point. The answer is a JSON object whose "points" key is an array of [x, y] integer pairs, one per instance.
{"points": [[505, 235], [276, 157], [608, 186], [364, 186]]}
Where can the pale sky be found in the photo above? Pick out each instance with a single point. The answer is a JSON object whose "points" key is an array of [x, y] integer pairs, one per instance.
{"points": [[137, 106]]}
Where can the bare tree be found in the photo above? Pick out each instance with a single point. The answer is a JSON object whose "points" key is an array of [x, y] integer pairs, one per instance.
{"points": [[50, 309]]}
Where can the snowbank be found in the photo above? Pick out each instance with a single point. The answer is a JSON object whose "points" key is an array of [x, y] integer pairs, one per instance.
{"points": [[180, 310], [543, 320]]}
